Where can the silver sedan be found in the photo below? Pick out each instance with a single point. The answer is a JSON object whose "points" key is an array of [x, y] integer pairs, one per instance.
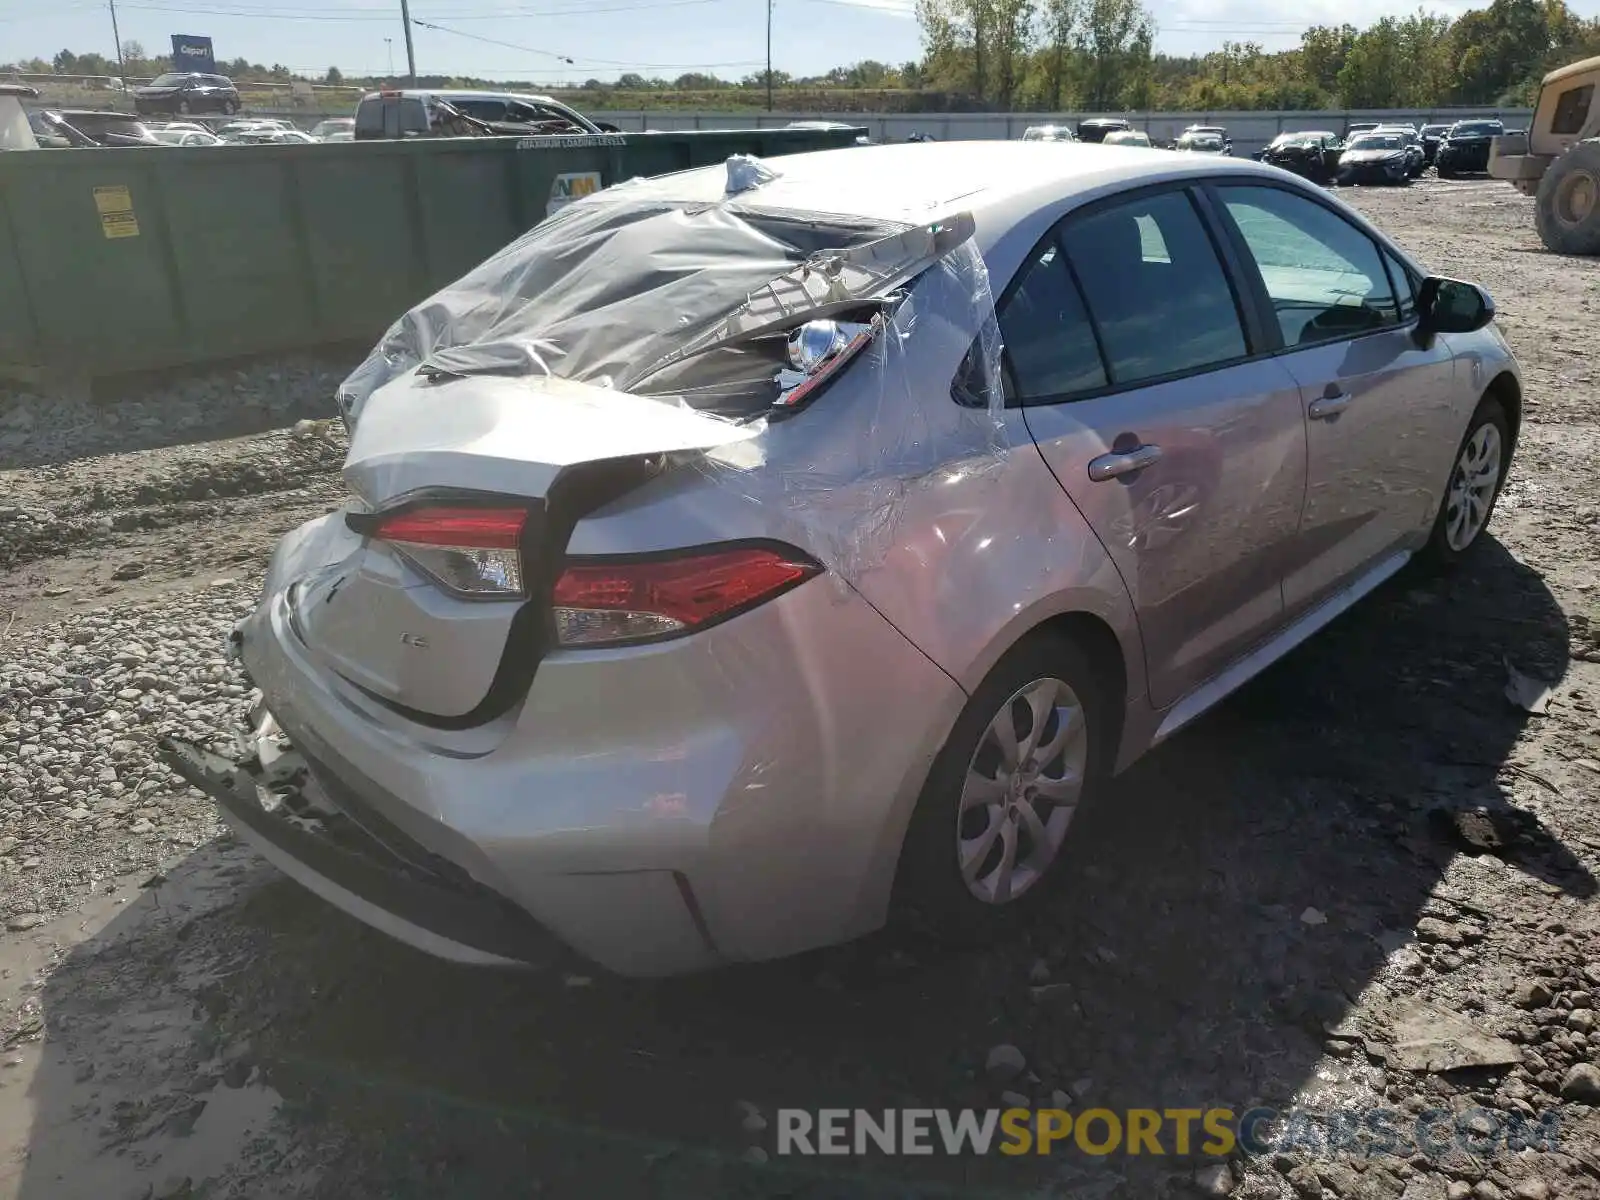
{"points": [[750, 555]]}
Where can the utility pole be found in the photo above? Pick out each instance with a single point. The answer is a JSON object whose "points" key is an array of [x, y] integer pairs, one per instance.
{"points": [[411, 54], [121, 66], [769, 55]]}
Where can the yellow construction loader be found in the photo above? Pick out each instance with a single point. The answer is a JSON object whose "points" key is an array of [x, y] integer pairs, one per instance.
{"points": [[1558, 159]]}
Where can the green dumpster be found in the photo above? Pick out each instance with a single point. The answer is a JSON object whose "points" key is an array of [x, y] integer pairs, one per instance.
{"points": [[115, 260]]}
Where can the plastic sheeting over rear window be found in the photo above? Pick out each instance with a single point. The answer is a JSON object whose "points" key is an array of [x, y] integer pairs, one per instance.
{"points": [[690, 304], [599, 291]]}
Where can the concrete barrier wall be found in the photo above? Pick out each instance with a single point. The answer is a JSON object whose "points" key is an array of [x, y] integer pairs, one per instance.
{"points": [[1250, 130]]}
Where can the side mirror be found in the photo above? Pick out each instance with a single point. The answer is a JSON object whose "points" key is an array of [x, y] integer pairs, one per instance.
{"points": [[1451, 306]]}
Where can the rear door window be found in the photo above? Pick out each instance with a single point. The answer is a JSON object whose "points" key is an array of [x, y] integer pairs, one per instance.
{"points": [[1324, 276], [1050, 348], [1155, 288], [369, 116]]}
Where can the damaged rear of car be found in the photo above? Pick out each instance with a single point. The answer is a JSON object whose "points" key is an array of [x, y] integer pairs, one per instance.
{"points": [[581, 657]]}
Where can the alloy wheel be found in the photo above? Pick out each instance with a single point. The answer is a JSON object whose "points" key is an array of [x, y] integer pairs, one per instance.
{"points": [[1021, 790], [1472, 487]]}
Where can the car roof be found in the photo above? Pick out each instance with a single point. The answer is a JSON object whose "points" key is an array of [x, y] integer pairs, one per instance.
{"points": [[998, 182], [106, 114], [17, 89], [462, 94]]}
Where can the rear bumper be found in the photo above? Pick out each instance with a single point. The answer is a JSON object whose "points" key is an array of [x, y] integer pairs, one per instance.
{"points": [[355, 872], [739, 794]]}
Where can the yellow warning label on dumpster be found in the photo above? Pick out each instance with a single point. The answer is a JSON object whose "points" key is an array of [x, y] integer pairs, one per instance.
{"points": [[115, 205]]}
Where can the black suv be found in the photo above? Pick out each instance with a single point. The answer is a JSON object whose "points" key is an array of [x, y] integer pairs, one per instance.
{"points": [[1094, 129], [187, 93], [1466, 147]]}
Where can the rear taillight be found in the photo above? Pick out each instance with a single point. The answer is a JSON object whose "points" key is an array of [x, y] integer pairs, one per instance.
{"points": [[610, 601], [471, 552]]}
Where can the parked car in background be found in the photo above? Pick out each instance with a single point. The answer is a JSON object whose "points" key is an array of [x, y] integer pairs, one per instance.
{"points": [[341, 135], [1466, 147], [1217, 130], [580, 659], [271, 137], [235, 131], [187, 92], [1356, 127], [445, 113], [187, 137], [1094, 129], [1049, 133], [1375, 158], [1432, 136], [1416, 156], [1312, 153], [1200, 143], [103, 127], [323, 130], [861, 138], [1127, 137]]}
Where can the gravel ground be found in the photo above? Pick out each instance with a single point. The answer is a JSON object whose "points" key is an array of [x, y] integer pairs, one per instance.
{"points": [[1368, 847]]}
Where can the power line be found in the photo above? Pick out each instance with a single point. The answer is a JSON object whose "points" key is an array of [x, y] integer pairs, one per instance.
{"points": [[264, 14], [604, 62], [519, 14]]}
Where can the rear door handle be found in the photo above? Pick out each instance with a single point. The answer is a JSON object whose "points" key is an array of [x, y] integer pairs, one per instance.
{"points": [[1122, 462], [1329, 406]]}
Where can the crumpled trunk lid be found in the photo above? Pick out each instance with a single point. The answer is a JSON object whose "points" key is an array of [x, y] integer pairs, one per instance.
{"points": [[374, 619]]}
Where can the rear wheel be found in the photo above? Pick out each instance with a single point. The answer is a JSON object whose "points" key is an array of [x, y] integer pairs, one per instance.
{"points": [[183, 107], [230, 107], [1568, 207], [984, 845], [1475, 478]]}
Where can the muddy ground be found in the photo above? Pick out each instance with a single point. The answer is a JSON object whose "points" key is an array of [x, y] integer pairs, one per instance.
{"points": [[1254, 914]]}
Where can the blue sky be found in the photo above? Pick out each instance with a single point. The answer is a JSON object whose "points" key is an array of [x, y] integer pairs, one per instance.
{"points": [[603, 37]]}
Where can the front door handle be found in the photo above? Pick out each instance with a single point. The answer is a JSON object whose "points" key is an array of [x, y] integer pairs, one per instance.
{"points": [[1122, 462], [1329, 405]]}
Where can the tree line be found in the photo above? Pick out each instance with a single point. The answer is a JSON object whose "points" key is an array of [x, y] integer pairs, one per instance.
{"points": [[1097, 55], [1090, 56]]}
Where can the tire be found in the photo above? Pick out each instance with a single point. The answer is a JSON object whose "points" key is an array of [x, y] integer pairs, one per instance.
{"points": [[229, 107], [1445, 548], [931, 894], [183, 107], [1567, 210]]}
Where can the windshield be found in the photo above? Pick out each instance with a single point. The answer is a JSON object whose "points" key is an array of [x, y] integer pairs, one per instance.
{"points": [[1378, 141], [168, 80], [1478, 129], [1203, 141]]}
